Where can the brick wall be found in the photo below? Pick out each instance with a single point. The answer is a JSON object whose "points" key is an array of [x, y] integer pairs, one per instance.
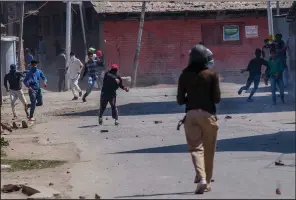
{"points": [[166, 43]]}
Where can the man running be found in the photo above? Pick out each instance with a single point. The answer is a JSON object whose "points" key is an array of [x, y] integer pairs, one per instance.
{"points": [[14, 78], [32, 82], [254, 69], [112, 81], [74, 69], [91, 68]]}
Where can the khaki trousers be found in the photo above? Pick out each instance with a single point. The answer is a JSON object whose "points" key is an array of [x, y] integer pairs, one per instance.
{"points": [[15, 95], [201, 130]]}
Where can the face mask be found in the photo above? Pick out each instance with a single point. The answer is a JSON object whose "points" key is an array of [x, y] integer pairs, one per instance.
{"points": [[210, 64], [33, 69]]}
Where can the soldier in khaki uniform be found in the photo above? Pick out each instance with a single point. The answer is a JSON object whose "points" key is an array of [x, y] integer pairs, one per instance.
{"points": [[199, 89]]}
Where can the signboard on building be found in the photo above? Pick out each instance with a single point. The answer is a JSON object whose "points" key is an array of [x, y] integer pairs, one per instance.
{"points": [[231, 33], [251, 31]]}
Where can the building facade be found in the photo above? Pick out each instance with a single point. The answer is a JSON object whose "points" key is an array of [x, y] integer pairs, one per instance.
{"points": [[231, 30]]}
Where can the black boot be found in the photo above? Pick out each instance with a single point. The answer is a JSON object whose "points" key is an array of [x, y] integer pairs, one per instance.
{"points": [[84, 97]]}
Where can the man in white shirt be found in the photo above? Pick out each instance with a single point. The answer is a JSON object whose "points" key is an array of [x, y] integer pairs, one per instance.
{"points": [[74, 68]]}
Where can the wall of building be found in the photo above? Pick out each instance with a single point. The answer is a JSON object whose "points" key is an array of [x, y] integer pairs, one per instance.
{"points": [[166, 43], [55, 14]]}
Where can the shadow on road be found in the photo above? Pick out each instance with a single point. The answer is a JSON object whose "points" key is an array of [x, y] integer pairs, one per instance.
{"points": [[235, 105], [281, 142], [153, 195]]}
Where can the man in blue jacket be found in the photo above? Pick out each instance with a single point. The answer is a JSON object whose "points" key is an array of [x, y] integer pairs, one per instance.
{"points": [[32, 82]]}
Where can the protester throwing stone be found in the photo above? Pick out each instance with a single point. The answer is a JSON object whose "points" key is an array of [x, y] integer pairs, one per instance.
{"points": [[112, 82], [199, 90]]}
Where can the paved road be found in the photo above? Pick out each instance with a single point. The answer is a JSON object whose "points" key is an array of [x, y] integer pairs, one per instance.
{"points": [[141, 159]]}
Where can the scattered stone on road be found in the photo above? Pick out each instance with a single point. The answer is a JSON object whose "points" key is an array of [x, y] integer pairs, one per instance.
{"points": [[50, 184], [14, 125], [279, 163], [157, 122], [40, 192], [28, 190], [81, 197], [104, 131], [10, 188], [97, 196], [68, 172], [24, 124], [228, 117]]}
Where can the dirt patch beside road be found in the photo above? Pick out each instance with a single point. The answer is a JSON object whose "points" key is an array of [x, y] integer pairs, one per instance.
{"points": [[36, 155]]}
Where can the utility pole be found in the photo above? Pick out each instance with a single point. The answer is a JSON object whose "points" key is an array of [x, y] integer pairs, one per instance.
{"points": [[270, 19], [277, 8], [22, 10], [138, 47], [68, 38], [83, 27]]}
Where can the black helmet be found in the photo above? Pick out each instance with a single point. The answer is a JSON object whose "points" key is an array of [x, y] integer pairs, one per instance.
{"points": [[199, 54]]}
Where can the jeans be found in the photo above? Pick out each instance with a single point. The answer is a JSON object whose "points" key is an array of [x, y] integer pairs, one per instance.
{"points": [[276, 81], [91, 83], [254, 78], [36, 100], [286, 77]]}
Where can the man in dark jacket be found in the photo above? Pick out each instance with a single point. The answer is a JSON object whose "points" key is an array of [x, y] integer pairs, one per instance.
{"points": [[32, 82], [254, 69], [112, 81], [199, 89], [14, 78], [61, 66]]}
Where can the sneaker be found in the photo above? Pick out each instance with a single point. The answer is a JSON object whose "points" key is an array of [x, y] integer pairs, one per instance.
{"points": [[14, 117], [100, 121], [83, 100], [116, 123], [75, 98], [201, 186], [208, 188], [80, 94], [32, 119], [239, 91]]}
